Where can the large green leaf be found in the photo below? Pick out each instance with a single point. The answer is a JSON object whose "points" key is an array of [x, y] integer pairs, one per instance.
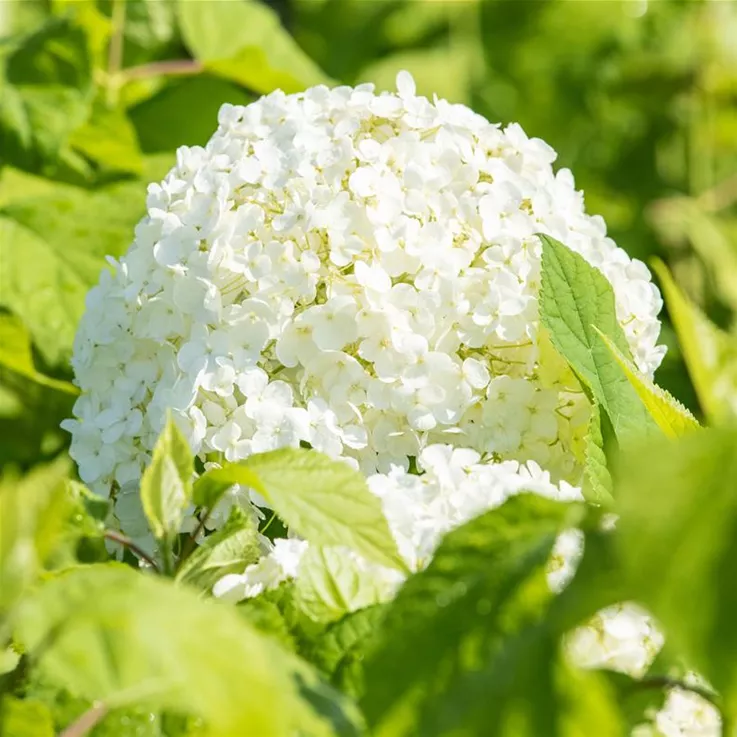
{"points": [[52, 249], [331, 584], [184, 112], [677, 540], [166, 485], [326, 502], [465, 647], [46, 93], [110, 633], [34, 514], [576, 302], [323, 500], [108, 140], [25, 718], [340, 651], [245, 42]]}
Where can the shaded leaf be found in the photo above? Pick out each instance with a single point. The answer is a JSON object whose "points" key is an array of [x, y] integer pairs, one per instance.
{"points": [[469, 631], [183, 113], [15, 354], [679, 513], [229, 550], [597, 484], [46, 94]]}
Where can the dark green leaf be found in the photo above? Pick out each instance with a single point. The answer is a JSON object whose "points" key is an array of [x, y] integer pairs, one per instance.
{"points": [[46, 94], [469, 632], [229, 550], [677, 540], [184, 113]]}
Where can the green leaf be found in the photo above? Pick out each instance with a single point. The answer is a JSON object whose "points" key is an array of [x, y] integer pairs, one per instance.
{"points": [[166, 485], [25, 718], [706, 349], [677, 542], [245, 42], [669, 414], [229, 550], [109, 633], [211, 485], [108, 140], [44, 279], [46, 94], [15, 354], [326, 502], [576, 303], [34, 513], [597, 484], [264, 614], [469, 631], [340, 651], [331, 584], [184, 112]]}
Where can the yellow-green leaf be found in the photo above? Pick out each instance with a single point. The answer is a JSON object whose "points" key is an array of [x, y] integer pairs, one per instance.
{"points": [[706, 349], [15, 354], [669, 414]]}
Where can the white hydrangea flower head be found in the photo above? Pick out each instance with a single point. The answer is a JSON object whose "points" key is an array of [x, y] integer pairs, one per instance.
{"points": [[453, 488], [352, 270], [686, 714], [623, 637]]}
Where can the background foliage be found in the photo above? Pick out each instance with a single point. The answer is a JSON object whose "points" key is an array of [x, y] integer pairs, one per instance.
{"points": [[640, 100]]}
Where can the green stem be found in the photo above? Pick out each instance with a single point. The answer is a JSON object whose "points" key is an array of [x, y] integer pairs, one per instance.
{"points": [[115, 51], [172, 68]]}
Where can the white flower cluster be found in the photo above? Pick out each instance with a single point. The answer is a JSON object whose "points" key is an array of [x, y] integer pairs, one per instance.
{"points": [[453, 488], [686, 714], [355, 271]]}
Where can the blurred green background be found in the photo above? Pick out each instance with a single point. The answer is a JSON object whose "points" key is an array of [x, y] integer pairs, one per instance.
{"points": [[639, 98]]}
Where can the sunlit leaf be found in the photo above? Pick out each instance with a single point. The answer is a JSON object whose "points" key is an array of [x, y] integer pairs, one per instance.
{"points": [[166, 485], [330, 583], [669, 414], [576, 303], [245, 42], [122, 637]]}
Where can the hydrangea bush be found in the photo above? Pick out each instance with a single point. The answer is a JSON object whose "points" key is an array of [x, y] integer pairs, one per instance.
{"points": [[361, 274]]}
